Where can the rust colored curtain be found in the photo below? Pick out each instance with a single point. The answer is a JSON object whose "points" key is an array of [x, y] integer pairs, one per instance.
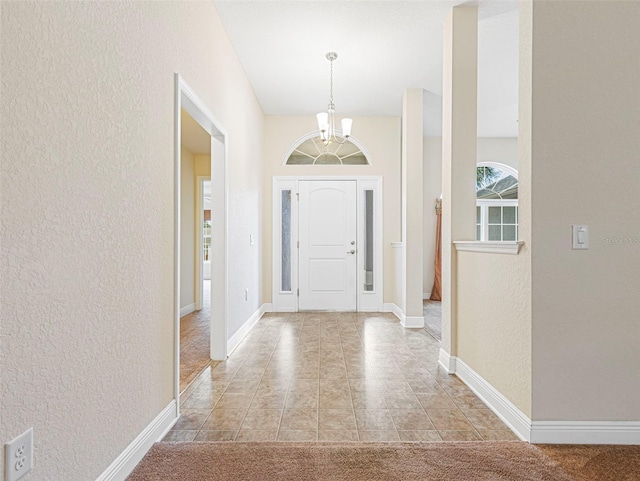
{"points": [[437, 282]]}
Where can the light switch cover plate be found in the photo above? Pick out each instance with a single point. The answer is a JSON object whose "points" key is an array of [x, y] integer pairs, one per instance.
{"points": [[580, 237]]}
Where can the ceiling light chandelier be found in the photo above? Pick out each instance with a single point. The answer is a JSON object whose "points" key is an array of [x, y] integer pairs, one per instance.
{"points": [[326, 121]]}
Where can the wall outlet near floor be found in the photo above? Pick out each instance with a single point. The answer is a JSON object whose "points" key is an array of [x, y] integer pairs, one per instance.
{"points": [[246, 294], [18, 456]]}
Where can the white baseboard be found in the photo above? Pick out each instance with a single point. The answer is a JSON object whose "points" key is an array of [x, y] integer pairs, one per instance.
{"points": [[391, 307], [426, 296], [413, 322], [246, 327], [408, 322], [585, 432], [268, 307], [119, 469], [541, 432], [447, 362], [187, 310], [515, 419]]}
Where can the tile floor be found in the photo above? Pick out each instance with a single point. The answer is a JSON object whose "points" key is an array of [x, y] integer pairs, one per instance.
{"points": [[432, 312], [333, 377]]}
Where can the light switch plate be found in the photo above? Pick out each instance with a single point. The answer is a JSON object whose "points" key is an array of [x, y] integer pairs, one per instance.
{"points": [[580, 237]]}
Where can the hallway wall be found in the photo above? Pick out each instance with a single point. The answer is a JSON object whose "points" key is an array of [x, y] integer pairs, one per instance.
{"points": [[87, 210], [586, 170]]}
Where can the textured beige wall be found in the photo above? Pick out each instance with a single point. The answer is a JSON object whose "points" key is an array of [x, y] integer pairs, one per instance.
{"points": [[202, 167], [494, 320], [379, 135], [187, 228], [586, 170], [494, 323], [87, 215]]}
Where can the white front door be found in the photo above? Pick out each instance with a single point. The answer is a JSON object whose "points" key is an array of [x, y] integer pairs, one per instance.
{"points": [[327, 256]]}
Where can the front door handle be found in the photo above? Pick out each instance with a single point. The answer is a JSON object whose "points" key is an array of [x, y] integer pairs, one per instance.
{"points": [[352, 251]]}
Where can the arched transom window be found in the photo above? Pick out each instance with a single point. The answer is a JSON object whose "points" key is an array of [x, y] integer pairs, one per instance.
{"points": [[496, 202], [311, 151]]}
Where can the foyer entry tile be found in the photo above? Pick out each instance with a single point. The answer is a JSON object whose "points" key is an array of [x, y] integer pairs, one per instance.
{"points": [[333, 377]]}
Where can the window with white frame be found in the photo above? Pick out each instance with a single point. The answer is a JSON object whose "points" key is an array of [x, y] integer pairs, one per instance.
{"points": [[309, 150], [496, 203]]}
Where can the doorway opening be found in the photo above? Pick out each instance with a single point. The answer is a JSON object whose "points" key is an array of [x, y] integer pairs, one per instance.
{"points": [[195, 298], [200, 319]]}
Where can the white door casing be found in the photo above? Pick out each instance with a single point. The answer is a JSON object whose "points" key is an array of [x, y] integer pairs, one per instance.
{"points": [[369, 240], [185, 98], [328, 245]]}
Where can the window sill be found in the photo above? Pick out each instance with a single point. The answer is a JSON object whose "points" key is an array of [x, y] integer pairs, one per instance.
{"points": [[495, 247]]}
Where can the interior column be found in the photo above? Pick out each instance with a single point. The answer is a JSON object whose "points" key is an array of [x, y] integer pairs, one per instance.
{"points": [[412, 207], [459, 141]]}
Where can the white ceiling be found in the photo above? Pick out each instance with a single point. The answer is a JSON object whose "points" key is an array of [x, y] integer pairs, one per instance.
{"points": [[383, 48]]}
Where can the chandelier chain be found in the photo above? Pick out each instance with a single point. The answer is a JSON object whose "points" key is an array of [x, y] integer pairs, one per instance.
{"points": [[331, 83]]}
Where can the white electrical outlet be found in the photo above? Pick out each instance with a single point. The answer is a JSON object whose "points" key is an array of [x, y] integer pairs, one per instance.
{"points": [[18, 456]]}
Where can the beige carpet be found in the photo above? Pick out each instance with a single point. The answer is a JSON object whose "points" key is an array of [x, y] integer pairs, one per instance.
{"points": [[597, 463], [456, 461]]}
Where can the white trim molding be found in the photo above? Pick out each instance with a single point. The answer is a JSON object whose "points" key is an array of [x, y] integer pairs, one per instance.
{"points": [[412, 322], [394, 308], [246, 327], [489, 247], [408, 322], [515, 419], [187, 309], [288, 301], [446, 361], [186, 99], [585, 432], [122, 466], [541, 432]]}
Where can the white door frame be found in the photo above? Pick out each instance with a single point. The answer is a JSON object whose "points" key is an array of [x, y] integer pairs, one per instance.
{"points": [[185, 98], [365, 301]]}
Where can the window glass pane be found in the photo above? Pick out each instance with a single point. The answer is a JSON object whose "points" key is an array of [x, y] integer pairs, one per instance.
{"points": [[300, 160], [509, 215], [313, 152], [286, 241], [495, 183], [328, 159], [206, 241], [368, 241], [509, 232], [478, 232], [495, 233], [478, 215], [495, 215]]}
